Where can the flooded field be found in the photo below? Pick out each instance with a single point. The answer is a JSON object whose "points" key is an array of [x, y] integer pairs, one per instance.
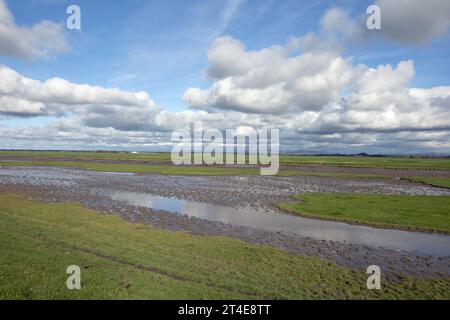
{"points": [[275, 221], [244, 207]]}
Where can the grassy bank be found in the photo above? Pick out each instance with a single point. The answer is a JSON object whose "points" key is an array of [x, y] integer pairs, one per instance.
{"points": [[145, 156], [369, 162], [138, 168], [340, 161], [122, 260], [332, 174], [415, 212], [179, 170], [432, 181]]}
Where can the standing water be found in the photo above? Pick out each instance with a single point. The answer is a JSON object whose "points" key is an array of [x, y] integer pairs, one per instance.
{"points": [[274, 221]]}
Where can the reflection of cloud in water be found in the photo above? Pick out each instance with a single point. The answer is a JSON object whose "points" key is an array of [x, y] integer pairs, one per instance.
{"points": [[274, 221]]}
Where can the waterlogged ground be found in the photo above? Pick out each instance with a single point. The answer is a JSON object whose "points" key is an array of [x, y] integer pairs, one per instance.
{"points": [[244, 207]]}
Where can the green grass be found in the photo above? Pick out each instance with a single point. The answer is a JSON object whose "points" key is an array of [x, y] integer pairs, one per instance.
{"points": [[369, 162], [145, 156], [340, 161], [138, 168], [179, 170], [433, 181], [416, 212], [122, 260]]}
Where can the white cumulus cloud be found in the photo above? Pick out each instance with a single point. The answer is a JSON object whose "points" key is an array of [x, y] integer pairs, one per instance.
{"points": [[277, 79], [96, 106], [317, 90], [42, 40]]}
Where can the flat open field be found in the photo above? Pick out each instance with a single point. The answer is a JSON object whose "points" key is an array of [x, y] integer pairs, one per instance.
{"points": [[123, 260], [341, 161], [139, 227]]}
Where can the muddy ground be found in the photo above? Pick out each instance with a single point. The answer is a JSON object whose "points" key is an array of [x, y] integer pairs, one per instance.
{"points": [[60, 185], [393, 173]]}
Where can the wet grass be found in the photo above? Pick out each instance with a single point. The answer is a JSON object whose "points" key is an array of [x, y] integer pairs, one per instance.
{"points": [[144, 156], [122, 260], [369, 162], [179, 170], [340, 161], [412, 212], [432, 181], [182, 170], [332, 174], [139, 168]]}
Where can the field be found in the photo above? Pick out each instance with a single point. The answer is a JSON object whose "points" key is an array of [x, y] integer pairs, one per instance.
{"points": [[137, 168], [433, 181], [179, 170], [221, 152], [84, 208], [413, 212], [341, 161], [121, 260]]}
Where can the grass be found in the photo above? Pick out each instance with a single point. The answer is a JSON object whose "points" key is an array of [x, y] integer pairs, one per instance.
{"points": [[145, 156], [369, 162], [412, 212], [138, 168], [179, 170], [433, 181], [332, 174], [122, 260], [340, 161]]}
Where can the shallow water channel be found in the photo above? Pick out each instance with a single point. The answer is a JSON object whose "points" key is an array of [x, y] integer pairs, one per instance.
{"points": [[276, 221]]}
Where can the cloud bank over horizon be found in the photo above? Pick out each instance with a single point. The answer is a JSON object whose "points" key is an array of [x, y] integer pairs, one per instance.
{"points": [[318, 96]]}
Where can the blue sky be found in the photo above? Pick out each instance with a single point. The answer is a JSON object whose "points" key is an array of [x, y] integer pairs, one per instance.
{"points": [[160, 47]]}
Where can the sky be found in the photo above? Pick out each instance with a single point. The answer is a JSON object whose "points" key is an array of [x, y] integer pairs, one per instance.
{"points": [[138, 70]]}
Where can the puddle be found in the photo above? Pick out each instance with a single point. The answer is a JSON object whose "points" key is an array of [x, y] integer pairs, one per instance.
{"points": [[273, 221]]}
